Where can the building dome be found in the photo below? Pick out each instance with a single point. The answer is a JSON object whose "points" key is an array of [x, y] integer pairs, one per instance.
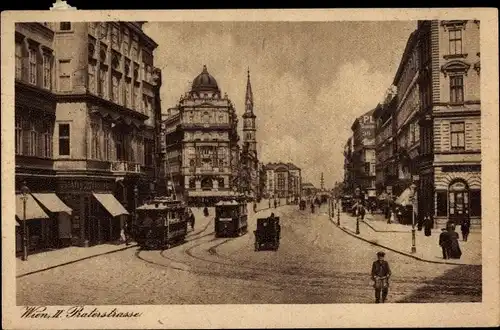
{"points": [[204, 82]]}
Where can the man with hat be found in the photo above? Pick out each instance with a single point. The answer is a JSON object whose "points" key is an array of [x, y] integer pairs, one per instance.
{"points": [[381, 272]]}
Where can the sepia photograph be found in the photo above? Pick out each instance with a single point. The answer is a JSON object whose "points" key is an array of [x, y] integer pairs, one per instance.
{"points": [[232, 162]]}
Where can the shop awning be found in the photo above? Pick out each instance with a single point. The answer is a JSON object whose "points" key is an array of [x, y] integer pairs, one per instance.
{"points": [[111, 204], [405, 197], [33, 210], [52, 202]]}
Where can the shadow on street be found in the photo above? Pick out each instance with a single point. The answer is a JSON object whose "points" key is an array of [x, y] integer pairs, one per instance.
{"points": [[450, 287]]}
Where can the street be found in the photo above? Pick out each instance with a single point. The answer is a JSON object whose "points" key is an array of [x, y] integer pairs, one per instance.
{"points": [[316, 263]]}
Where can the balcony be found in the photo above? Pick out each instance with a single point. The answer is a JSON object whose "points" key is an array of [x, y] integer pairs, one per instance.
{"points": [[125, 167]]}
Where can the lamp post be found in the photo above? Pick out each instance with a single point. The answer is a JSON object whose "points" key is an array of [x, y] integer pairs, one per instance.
{"points": [[358, 209], [413, 240], [25, 191]]}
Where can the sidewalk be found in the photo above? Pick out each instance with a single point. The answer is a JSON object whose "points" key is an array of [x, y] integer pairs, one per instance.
{"points": [[55, 258], [397, 237]]}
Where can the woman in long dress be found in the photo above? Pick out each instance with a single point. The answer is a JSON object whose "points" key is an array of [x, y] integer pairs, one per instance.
{"points": [[454, 252]]}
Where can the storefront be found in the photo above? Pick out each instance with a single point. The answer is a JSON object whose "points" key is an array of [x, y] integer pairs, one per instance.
{"points": [[32, 218], [458, 194], [97, 214]]}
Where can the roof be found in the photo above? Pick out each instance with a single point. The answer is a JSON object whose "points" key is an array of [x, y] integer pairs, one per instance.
{"points": [[204, 82]]}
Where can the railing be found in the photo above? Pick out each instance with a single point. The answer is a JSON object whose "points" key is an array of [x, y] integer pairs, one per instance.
{"points": [[123, 166]]}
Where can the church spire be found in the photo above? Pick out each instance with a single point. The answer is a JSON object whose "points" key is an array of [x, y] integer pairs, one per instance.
{"points": [[249, 95]]}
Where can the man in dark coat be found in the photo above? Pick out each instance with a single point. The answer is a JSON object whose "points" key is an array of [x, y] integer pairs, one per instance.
{"points": [[428, 223], [465, 227], [381, 272], [444, 242]]}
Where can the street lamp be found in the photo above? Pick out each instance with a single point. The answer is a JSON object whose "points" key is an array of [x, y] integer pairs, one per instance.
{"points": [[25, 191], [413, 240], [358, 209]]}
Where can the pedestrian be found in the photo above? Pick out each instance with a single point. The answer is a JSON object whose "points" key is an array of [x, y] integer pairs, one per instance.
{"points": [[312, 207], [465, 228], [191, 219], [444, 242], [362, 212], [428, 224], [269, 202], [454, 247], [392, 216], [205, 212], [275, 203], [123, 239], [420, 223], [254, 207], [381, 272]]}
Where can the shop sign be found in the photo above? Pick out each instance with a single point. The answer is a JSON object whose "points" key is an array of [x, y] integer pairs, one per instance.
{"points": [[81, 185]]}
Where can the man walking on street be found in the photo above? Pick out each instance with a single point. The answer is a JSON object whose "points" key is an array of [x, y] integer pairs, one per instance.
{"points": [[381, 272], [444, 242]]}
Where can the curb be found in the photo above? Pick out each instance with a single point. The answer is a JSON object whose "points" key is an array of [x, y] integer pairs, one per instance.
{"points": [[76, 260], [383, 231], [399, 252]]}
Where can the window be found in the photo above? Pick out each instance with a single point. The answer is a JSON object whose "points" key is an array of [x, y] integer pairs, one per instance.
{"points": [[64, 75], [126, 42], [32, 66], [33, 140], [103, 31], [19, 136], [92, 76], [19, 60], [119, 146], [442, 203], [47, 142], [47, 71], [475, 203], [64, 139], [65, 26], [115, 37], [455, 41], [457, 131], [456, 89]]}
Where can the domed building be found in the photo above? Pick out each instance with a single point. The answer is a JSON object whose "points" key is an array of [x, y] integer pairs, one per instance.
{"points": [[201, 153]]}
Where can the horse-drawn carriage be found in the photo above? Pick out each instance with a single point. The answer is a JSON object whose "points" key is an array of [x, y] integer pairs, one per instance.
{"points": [[231, 218], [160, 224], [267, 235]]}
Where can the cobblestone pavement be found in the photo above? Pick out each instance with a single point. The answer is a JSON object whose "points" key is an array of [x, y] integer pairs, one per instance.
{"points": [[316, 263]]}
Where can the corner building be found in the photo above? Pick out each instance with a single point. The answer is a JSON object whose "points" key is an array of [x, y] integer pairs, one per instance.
{"points": [[201, 138], [450, 120], [104, 137]]}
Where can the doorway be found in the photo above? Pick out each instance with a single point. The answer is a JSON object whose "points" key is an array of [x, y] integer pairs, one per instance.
{"points": [[458, 197]]}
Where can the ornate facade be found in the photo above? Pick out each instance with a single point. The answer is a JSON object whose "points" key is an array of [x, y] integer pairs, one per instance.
{"points": [[95, 133], [282, 180], [450, 120], [202, 152]]}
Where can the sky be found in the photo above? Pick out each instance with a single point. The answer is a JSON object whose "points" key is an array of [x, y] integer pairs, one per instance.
{"points": [[310, 80]]}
